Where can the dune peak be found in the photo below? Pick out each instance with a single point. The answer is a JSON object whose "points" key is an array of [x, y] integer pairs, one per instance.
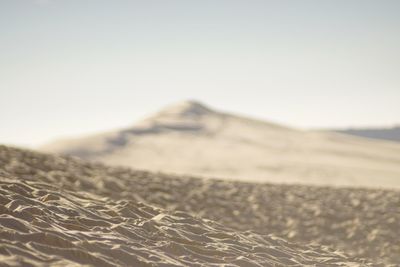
{"points": [[188, 108]]}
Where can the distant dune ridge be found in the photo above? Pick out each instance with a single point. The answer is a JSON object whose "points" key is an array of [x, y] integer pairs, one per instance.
{"points": [[61, 212], [390, 134], [190, 138]]}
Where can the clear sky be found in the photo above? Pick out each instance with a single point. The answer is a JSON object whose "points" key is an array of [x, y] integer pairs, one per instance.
{"points": [[72, 67]]}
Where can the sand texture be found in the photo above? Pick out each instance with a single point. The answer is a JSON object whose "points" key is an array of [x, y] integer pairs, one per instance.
{"points": [[62, 210], [45, 224], [189, 138], [42, 225]]}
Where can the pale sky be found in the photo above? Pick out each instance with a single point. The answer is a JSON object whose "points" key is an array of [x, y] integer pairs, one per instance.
{"points": [[73, 67]]}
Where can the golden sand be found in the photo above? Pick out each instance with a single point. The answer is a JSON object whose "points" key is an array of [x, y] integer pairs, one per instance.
{"points": [[62, 211]]}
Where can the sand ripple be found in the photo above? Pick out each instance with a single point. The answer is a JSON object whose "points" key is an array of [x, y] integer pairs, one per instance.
{"points": [[60, 211], [43, 225]]}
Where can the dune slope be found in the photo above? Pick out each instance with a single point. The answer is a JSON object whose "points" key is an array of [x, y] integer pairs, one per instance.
{"points": [[53, 215], [189, 138], [362, 222]]}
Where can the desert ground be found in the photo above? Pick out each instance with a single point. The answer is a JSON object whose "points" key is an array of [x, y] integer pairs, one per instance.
{"points": [[62, 211], [190, 138]]}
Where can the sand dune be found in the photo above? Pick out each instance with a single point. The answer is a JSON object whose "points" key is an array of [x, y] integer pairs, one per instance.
{"points": [[73, 201], [189, 138]]}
